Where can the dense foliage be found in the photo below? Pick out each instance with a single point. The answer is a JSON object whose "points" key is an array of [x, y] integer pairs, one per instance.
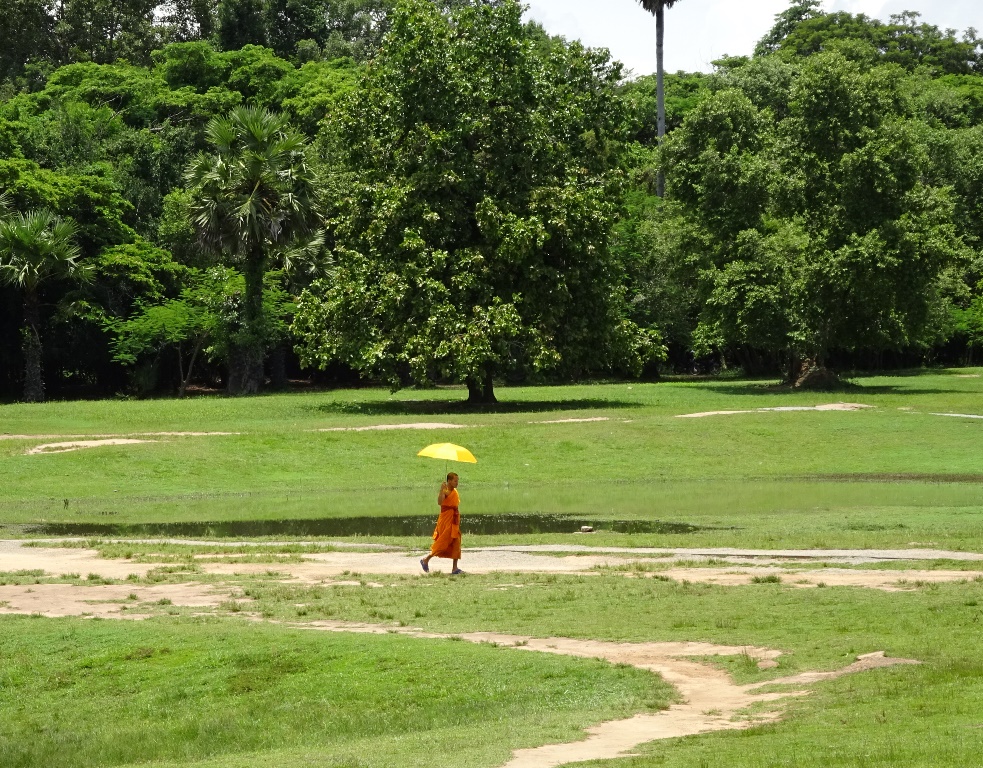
{"points": [[463, 198], [472, 221]]}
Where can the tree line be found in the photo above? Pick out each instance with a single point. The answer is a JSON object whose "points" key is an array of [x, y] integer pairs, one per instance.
{"points": [[418, 191]]}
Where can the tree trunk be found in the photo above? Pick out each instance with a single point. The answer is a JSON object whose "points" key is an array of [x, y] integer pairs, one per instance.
{"points": [[474, 390], [794, 367], [660, 93], [186, 377], [488, 388], [246, 366], [245, 369], [31, 345], [481, 390], [278, 366]]}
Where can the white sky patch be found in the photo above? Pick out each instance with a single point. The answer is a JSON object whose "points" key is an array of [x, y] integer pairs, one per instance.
{"points": [[699, 31]]}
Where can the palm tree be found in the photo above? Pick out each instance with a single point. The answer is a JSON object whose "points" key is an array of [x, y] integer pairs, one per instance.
{"points": [[252, 195], [658, 9], [35, 248]]}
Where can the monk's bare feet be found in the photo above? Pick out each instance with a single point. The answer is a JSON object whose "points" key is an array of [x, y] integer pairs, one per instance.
{"points": [[425, 566]]}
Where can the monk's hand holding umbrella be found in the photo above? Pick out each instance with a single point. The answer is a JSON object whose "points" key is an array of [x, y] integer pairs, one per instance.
{"points": [[447, 534]]}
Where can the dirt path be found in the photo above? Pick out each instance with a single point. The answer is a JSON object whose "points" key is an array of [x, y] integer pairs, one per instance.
{"points": [[711, 701], [107, 601], [747, 565]]}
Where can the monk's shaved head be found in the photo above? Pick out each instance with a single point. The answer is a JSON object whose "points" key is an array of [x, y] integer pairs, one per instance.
{"points": [[451, 476]]}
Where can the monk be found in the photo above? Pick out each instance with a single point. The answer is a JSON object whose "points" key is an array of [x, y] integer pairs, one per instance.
{"points": [[447, 534]]}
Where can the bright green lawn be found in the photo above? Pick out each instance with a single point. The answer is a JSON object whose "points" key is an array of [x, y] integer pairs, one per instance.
{"points": [[98, 693], [230, 694], [928, 716], [879, 477], [222, 693]]}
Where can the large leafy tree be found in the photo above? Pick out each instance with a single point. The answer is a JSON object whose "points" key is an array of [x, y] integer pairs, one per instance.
{"points": [[252, 194], [105, 30], [658, 9], [471, 229], [36, 247], [27, 29], [819, 231], [803, 30]]}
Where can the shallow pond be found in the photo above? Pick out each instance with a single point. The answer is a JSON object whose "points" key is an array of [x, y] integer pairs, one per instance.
{"points": [[363, 526]]}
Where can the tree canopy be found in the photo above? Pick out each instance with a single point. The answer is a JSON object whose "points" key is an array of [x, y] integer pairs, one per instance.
{"points": [[474, 208], [475, 200]]}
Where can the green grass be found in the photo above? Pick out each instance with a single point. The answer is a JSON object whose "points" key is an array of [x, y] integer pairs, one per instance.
{"points": [[92, 693], [882, 477], [222, 692], [818, 628], [908, 716], [219, 693]]}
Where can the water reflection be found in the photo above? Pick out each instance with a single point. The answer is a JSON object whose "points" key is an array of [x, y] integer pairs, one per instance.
{"points": [[363, 526]]}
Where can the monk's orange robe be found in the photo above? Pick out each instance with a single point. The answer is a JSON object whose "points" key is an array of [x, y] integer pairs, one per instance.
{"points": [[447, 534]]}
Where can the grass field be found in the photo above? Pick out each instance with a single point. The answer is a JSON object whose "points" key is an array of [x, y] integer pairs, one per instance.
{"points": [[877, 477], [189, 690], [234, 687]]}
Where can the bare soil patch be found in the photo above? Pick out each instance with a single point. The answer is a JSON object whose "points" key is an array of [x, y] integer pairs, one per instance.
{"points": [[572, 421], [77, 445], [104, 600], [317, 567], [64, 561], [888, 581], [824, 407], [130, 434], [415, 425]]}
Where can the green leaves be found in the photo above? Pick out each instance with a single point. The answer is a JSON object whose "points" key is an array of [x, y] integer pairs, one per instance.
{"points": [[37, 246], [821, 229], [251, 197], [472, 221], [255, 192]]}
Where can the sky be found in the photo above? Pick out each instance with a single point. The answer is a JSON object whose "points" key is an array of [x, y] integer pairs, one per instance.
{"points": [[699, 31]]}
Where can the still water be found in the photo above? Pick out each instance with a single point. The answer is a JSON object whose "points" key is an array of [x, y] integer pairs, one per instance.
{"points": [[363, 526]]}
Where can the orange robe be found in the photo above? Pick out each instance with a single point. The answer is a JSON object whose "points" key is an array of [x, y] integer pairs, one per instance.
{"points": [[447, 534]]}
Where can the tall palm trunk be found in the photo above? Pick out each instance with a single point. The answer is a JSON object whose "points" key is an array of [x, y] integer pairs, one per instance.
{"points": [[246, 364], [31, 346], [660, 94]]}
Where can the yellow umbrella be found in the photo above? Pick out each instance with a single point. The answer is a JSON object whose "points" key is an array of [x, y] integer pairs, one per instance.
{"points": [[448, 452]]}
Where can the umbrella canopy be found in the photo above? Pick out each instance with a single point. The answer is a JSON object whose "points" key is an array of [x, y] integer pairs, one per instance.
{"points": [[448, 452]]}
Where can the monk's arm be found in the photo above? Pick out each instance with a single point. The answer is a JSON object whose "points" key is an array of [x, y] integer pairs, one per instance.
{"points": [[443, 493]]}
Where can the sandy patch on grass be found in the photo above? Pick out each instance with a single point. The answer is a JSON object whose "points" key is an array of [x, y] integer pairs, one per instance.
{"points": [[79, 442], [824, 407], [62, 561], [130, 434], [711, 700], [330, 565], [415, 425], [321, 566], [77, 445], [889, 581], [572, 421], [104, 600]]}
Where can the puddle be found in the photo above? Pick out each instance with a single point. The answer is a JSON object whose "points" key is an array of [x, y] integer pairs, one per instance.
{"points": [[362, 526]]}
